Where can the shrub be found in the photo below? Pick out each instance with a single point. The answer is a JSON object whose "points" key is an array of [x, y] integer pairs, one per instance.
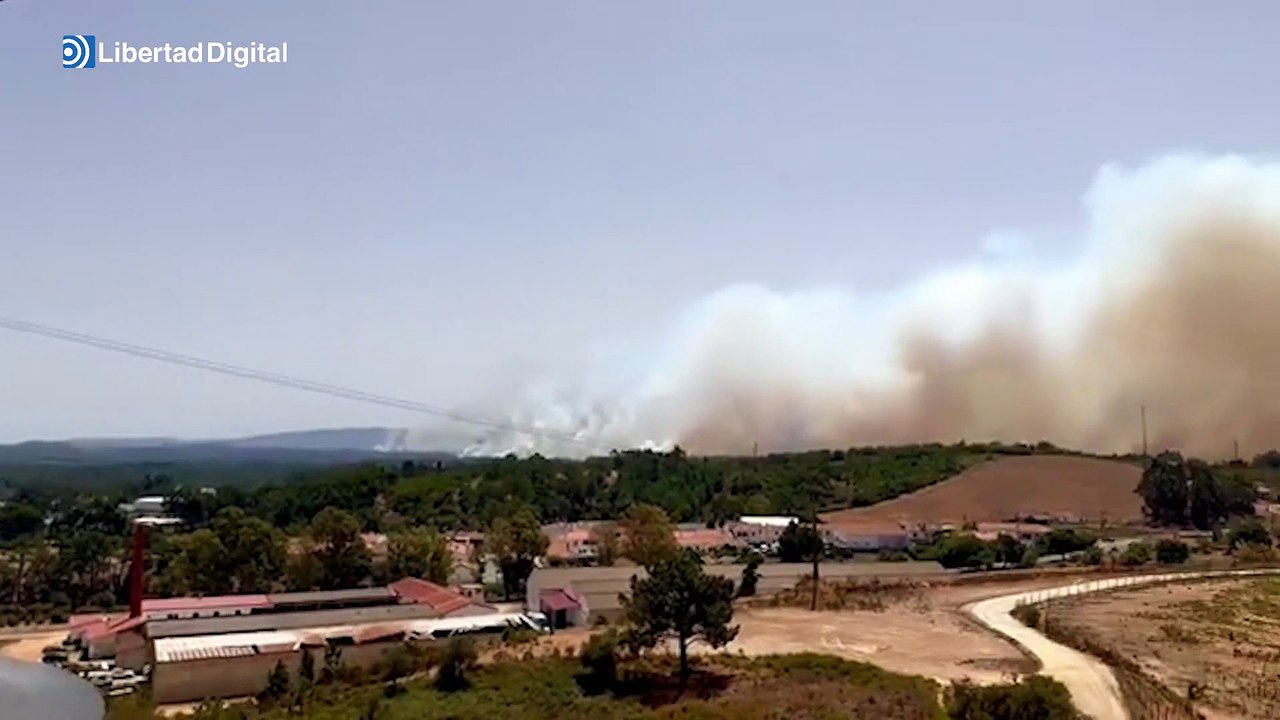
{"points": [[277, 686], [1139, 553], [519, 636], [1063, 541], [1030, 557], [1036, 697], [1172, 552], [1028, 615], [397, 662], [887, 555], [1249, 533], [599, 657], [1092, 556], [457, 661], [1254, 554], [964, 551]]}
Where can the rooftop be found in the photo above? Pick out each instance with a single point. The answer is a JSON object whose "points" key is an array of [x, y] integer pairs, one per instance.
{"points": [[159, 605], [233, 624], [239, 644], [774, 520], [333, 596], [439, 598]]}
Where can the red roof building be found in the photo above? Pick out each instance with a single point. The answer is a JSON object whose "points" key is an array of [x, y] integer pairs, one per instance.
{"points": [[444, 601], [706, 539]]}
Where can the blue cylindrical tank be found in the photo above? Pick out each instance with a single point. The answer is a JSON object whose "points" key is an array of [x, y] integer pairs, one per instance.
{"points": [[42, 692]]}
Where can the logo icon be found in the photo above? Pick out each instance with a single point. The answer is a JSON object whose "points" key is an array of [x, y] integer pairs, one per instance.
{"points": [[79, 51]]}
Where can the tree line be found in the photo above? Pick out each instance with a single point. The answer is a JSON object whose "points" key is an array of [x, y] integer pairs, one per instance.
{"points": [[62, 551]]}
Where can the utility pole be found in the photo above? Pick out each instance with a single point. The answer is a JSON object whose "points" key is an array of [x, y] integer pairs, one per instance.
{"points": [[1144, 431], [1236, 449], [817, 553]]}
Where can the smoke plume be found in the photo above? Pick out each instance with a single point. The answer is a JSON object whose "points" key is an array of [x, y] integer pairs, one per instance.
{"points": [[1169, 303]]}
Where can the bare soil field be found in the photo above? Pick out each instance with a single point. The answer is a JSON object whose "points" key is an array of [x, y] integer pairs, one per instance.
{"points": [[935, 643], [29, 647], [1074, 487], [923, 634], [1220, 638]]}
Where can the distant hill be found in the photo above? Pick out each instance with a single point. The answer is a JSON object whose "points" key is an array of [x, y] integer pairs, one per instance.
{"points": [[305, 446]]}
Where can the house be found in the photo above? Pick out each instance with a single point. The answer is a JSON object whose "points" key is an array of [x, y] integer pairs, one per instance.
{"points": [[869, 541], [1022, 532], [563, 607], [760, 529], [705, 539], [571, 541]]}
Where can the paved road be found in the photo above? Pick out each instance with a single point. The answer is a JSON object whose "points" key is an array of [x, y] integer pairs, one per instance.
{"points": [[1093, 686]]}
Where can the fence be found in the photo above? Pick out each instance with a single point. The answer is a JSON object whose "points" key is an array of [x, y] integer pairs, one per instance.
{"points": [[1145, 697]]}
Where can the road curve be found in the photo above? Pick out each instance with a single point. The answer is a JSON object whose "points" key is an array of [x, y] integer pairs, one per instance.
{"points": [[1092, 684]]}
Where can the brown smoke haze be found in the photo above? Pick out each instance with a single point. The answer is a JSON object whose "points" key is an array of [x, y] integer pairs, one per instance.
{"points": [[1171, 304]]}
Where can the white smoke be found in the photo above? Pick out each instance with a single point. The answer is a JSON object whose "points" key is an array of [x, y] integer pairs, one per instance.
{"points": [[1168, 302]]}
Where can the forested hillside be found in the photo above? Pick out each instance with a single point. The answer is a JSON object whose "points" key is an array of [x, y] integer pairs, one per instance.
{"points": [[448, 493]]}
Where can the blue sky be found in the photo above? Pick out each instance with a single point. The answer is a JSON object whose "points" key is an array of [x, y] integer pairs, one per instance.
{"points": [[437, 201]]}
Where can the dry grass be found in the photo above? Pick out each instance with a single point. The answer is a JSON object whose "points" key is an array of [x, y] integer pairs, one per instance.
{"points": [[1217, 643], [1076, 487], [872, 594]]}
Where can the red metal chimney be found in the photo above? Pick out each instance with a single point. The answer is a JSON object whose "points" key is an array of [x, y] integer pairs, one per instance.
{"points": [[137, 574]]}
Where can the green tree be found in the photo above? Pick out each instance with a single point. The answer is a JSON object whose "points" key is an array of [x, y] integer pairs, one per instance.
{"points": [[1007, 549], [1165, 489], [1180, 492], [679, 601], [605, 537], [332, 664], [254, 551], [18, 520], [420, 553], [516, 540], [304, 571], [345, 561], [307, 668], [198, 566], [799, 543], [648, 536], [277, 688], [964, 551], [84, 566], [750, 575]]}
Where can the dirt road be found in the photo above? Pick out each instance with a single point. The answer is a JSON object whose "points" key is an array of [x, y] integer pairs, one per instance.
{"points": [[28, 647], [1093, 686]]}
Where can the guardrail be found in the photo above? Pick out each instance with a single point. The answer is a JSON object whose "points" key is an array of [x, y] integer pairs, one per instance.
{"points": [[1089, 587], [1145, 697]]}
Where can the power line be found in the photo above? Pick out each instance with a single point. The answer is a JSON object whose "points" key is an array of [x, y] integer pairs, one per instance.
{"points": [[286, 381]]}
